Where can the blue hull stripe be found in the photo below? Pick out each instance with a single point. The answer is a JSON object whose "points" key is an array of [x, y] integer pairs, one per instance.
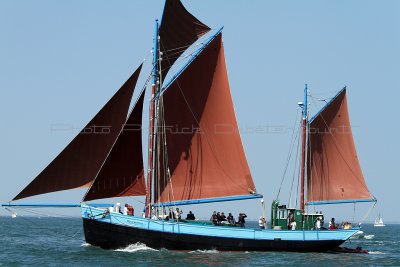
{"points": [[207, 200]]}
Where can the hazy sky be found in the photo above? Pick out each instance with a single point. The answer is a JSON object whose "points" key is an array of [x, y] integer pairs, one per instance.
{"points": [[61, 61]]}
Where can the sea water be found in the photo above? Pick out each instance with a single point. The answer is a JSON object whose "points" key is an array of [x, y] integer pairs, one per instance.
{"points": [[48, 241]]}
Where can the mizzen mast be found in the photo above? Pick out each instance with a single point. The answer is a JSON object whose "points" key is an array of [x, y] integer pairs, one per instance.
{"points": [[303, 148]]}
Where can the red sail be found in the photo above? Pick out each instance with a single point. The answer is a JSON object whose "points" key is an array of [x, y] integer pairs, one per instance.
{"points": [[205, 153], [122, 172], [179, 29], [77, 165], [334, 172]]}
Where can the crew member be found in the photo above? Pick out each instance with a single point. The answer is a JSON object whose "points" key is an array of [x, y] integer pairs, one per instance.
{"points": [[241, 219], [262, 222], [190, 216]]}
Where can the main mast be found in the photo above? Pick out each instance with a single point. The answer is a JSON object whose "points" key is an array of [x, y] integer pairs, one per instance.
{"points": [[151, 123], [303, 148]]}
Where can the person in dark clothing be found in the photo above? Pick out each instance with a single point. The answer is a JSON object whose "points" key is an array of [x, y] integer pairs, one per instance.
{"points": [[171, 215], [214, 218], [190, 216], [218, 218], [241, 220], [231, 220], [223, 217]]}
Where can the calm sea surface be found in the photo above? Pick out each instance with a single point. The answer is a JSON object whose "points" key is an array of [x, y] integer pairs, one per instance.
{"points": [[60, 242]]}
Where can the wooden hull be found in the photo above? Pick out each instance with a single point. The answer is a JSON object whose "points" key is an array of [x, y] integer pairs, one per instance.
{"points": [[111, 236], [112, 230]]}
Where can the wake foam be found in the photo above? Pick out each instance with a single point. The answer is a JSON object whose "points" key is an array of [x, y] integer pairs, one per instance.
{"points": [[369, 237], [86, 245], [210, 251], [358, 235], [136, 248], [376, 252]]}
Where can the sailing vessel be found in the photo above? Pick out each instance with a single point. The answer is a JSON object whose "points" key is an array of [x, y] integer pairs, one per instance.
{"points": [[379, 221], [194, 157]]}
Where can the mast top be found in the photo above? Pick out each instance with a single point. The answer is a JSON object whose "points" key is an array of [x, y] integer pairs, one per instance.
{"points": [[304, 106]]}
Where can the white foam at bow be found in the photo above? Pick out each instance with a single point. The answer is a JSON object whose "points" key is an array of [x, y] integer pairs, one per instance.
{"points": [[135, 248]]}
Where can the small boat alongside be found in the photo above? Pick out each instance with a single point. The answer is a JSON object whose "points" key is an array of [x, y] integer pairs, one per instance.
{"points": [[357, 250]]}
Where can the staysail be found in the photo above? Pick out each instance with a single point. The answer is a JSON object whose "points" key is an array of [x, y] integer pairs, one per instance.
{"points": [[178, 30], [199, 145], [334, 172], [122, 172], [77, 165]]}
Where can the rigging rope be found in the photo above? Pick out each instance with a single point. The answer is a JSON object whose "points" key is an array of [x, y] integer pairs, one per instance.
{"points": [[366, 215], [59, 216], [296, 169], [182, 56], [291, 147]]}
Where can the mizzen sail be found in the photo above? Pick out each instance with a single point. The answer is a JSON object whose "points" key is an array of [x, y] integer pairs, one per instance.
{"points": [[334, 172], [122, 173], [178, 30], [77, 165], [199, 145]]}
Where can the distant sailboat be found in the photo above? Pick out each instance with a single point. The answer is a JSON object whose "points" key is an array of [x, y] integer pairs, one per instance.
{"points": [[379, 221]]}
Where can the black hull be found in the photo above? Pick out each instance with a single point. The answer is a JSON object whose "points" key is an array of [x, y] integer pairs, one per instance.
{"points": [[111, 236]]}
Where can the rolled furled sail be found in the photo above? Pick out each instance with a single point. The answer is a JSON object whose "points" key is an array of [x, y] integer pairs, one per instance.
{"points": [[122, 172], [203, 153], [334, 172], [77, 165], [178, 30]]}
